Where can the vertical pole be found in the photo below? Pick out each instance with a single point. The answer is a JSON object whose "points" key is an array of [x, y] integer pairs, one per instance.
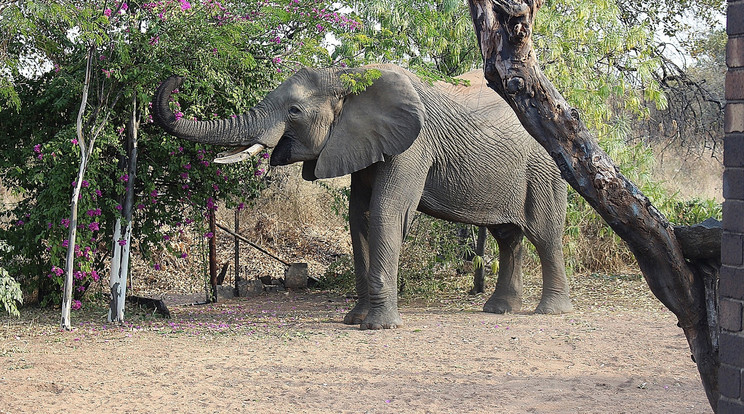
{"points": [[237, 251], [213, 258], [480, 272]]}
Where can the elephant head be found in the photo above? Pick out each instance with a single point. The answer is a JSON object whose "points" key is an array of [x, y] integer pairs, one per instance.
{"points": [[313, 117]]}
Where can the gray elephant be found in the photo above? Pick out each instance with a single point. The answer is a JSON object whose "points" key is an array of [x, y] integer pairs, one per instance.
{"points": [[453, 152]]}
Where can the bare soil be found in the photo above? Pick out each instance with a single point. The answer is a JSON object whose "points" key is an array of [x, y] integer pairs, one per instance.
{"points": [[619, 352], [289, 352]]}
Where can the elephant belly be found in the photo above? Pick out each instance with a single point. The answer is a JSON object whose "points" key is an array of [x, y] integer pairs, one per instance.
{"points": [[474, 193]]}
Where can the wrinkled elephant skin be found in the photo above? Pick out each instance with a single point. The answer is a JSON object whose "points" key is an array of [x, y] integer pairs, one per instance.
{"points": [[454, 152]]}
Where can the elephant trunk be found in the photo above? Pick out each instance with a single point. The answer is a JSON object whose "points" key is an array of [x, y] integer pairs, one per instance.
{"points": [[240, 130]]}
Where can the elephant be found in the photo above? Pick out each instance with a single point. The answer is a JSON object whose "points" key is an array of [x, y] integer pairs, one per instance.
{"points": [[457, 153]]}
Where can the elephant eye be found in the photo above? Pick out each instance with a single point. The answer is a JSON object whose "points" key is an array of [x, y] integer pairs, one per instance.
{"points": [[294, 110]]}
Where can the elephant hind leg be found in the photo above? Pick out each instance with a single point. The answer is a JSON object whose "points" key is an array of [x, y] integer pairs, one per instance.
{"points": [[508, 294], [555, 297]]}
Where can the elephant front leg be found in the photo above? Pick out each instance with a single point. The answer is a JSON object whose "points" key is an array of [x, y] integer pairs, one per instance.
{"points": [[359, 228], [386, 236]]}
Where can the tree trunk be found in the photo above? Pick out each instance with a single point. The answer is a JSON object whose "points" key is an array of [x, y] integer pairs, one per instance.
{"points": [[503, 29], [479, 278], [70, 259], [212, 296], [122, 243]]}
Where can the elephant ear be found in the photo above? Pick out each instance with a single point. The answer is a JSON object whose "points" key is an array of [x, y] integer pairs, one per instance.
{"points": [[380, 121]]}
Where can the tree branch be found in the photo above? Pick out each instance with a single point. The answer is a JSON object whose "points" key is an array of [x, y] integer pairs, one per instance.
{"points": [[503, 29]]}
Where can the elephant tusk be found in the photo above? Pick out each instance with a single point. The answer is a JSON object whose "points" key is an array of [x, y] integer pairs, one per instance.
{"points": [[239, 154]]}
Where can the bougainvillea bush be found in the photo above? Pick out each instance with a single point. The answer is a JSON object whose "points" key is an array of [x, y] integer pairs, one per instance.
{"points": [[231, 56]]}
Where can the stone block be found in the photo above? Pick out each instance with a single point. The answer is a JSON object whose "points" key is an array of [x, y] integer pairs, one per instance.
{"points": [[734, 84], [735, 52], [733, 117], [733, 216], [729, 381], [735, 18], [730, 315], [733, 150], [295, 277], [248, 288], [730, 349], [731, 282], [733, 183], [732, 249]]}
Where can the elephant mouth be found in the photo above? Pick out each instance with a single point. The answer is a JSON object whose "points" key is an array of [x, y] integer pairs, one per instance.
{"points": [[238, 154]]}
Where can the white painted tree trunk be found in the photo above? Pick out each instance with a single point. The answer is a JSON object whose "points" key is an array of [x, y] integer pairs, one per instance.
{"points": [[119, 272], [120, 257], [70, 258]]}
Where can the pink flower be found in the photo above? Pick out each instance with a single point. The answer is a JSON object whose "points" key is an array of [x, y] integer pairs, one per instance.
{"points": [[179, 115], [74, 141], [184, 255], [57, 271], [95, 275], [94, 226], [157, 266], [140, 206], [118, 207], [209, 235], [277, 60], [37, 148], [185, 5], [76, 304], [155, 40], [107, 12], [124, 178], [65, 222], [187, 166], [124, 6], [122, 242]]}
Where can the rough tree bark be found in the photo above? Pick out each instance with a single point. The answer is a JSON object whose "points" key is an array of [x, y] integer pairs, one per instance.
{"points": [[503, 29]]}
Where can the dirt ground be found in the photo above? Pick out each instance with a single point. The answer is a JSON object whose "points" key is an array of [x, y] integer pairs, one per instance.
{"points": [[289, 352]]}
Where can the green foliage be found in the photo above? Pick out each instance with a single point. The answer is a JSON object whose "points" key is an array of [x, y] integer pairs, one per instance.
{"points": [[357, 82], [339, 276], [232, 55], [433, 37], [10, 293]]}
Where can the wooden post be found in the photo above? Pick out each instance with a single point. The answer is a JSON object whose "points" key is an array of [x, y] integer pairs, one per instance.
{"points": [[212, 258], [237, 251], [480, 271]]}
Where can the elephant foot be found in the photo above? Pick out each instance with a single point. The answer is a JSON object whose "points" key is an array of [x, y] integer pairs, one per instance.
{"points": [[554, 305], [356, 315], [382, 318], [499, 304]]}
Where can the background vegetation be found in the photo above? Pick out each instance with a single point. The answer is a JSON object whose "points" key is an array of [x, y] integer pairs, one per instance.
{"points": [[613, 60]]}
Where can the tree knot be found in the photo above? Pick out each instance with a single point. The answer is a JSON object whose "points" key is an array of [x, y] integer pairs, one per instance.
{"points": [[515, 85]]}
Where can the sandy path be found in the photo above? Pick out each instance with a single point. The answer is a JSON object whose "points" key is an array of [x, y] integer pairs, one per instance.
{"points": [[289, 353]]}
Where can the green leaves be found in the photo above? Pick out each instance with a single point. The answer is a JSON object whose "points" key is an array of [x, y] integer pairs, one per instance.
{"points": [[232, 56], [357, 82], [10, 293]]}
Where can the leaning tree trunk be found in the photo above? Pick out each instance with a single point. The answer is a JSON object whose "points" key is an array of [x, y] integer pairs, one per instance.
{"points": [[504, 29]]}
